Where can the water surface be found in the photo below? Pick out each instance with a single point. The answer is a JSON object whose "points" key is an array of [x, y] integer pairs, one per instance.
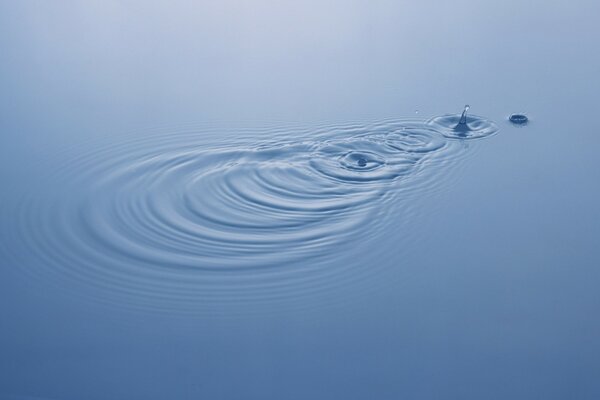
{"points": [[233, 201]]}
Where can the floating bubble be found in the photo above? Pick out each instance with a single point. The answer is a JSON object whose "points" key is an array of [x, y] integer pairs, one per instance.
{"points": [[518, 119]]}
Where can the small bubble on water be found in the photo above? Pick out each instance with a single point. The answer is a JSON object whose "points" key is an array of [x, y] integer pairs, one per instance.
{"points": [[518, 119], [362, 162]]}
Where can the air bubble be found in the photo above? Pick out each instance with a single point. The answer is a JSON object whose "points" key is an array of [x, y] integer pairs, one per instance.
{"points": [[518, 119]]}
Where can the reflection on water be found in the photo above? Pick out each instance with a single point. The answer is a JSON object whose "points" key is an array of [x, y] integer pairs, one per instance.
{"points": [[187, 219]]}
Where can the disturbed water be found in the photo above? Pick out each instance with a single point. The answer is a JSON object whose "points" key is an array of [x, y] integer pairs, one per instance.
{"points": [[181, 219], [285, 200]]}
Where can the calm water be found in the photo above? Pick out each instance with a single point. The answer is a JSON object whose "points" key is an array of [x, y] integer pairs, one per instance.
{"points": [[279, 201]]}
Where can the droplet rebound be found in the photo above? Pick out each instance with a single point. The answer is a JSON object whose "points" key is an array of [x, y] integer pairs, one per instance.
{"points": [[463, 126], [463, 117]]}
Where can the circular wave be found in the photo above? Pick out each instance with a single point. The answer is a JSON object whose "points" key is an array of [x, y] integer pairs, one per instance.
{"points": [[184, 220], [475, 128]]}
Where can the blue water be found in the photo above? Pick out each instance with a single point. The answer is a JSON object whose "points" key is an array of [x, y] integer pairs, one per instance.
{"points": [[284, 201]]}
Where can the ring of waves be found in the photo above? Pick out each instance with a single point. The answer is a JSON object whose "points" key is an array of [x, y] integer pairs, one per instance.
{"points": [[178, 221]]}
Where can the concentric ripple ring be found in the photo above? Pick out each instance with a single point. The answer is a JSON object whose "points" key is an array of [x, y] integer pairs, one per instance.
{"points": [[183, 220]]}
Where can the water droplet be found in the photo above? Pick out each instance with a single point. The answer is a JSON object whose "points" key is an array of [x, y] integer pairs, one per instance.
{"points": [[463, 117], [463, 126], [362, 162], [518, 119]]}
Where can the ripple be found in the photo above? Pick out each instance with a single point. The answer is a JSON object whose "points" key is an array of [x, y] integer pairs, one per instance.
{"points": [[187, 220], [362, 161], [475, 128], [415, 140]]}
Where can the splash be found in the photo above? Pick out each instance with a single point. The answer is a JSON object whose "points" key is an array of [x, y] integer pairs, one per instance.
{"points": [[463, 117], [463, 126]]}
